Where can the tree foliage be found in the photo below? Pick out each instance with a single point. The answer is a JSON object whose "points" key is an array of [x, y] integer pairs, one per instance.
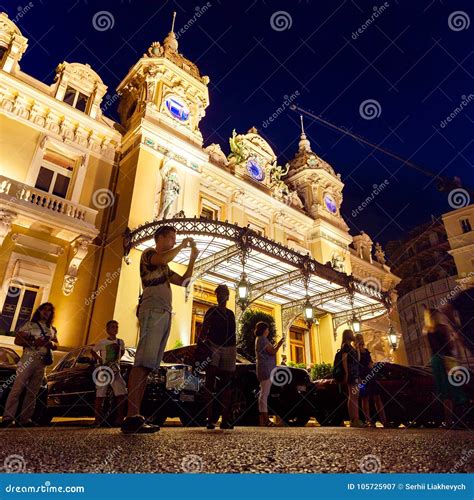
{"points": [[246, 340]]}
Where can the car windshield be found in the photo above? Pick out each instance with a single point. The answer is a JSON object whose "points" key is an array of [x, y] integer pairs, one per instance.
{"points": [[185, 355], [8, 357]]}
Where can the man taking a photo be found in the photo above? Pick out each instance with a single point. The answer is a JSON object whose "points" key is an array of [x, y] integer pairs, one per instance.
{"points": [[154, 315]]}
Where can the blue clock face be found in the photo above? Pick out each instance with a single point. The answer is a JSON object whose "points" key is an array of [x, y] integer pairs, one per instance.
{"points": [[177, 108], [330, 203], [255, 170]]}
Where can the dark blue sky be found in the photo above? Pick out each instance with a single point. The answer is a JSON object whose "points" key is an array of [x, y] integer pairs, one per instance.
{"points": [[416, 60]]}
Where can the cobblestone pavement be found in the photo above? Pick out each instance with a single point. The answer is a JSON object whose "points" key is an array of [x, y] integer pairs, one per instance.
{"points": [[244, 449]]}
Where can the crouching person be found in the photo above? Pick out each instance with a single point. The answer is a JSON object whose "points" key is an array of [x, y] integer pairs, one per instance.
{"points": [[108, 352], [38, 339]]}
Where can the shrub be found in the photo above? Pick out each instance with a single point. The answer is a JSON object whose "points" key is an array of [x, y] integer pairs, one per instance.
{"points": [[246, 340], [321, 370], [292, 364]]}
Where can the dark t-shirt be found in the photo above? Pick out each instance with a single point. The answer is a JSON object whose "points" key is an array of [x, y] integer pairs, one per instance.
{"points": [[352, 361], [364, 363], [219, 326]]}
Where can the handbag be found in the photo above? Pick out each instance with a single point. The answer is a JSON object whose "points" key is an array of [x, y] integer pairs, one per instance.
{"points": [[48, 357]]}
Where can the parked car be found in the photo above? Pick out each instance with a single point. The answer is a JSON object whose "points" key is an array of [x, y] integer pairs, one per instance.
{"points": [[176, 390], [288, 396], [71, 388], [407, 393], [8, 365]]}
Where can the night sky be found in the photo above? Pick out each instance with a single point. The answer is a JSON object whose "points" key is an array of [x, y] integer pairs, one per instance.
{"points": [[415, 60]]}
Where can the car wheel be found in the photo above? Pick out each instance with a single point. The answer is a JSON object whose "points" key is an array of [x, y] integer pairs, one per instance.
{"points": [[41, 415], [193, 420], [240, 413], [327, 419], [299, 421], [157, 419]]}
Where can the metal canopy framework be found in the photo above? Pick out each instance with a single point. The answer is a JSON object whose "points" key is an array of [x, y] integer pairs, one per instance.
{"points": [[277, 274]]}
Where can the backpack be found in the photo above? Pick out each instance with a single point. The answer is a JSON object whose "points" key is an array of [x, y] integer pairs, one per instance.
{"points": [[338, 368]]}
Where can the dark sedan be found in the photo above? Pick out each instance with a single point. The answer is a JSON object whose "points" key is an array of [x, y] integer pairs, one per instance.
{"points": [[407, 393], [71, 388], [8, 365], [287, 400], [177, 390]]}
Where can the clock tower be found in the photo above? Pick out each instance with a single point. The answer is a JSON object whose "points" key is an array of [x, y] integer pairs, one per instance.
{"points": [[167, 89], [320, 188]]}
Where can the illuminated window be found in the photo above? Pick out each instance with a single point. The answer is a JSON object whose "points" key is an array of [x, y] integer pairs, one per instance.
{"points": [[260, 230], [55, 174], [297, 345], [18, 307], [199, 311], [466, 225], [209, 213], [75, 98]]}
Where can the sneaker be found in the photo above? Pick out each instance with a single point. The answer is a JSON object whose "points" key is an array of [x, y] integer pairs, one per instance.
{"points": [[137, 425], [7, 422], [210, 425], [356, 423]]}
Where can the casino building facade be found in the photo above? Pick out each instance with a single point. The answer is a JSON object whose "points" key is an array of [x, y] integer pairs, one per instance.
{"points": [[81, 196]]}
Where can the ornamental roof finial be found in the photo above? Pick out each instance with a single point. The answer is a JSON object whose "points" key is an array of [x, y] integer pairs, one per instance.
{"points": [[172, 22], [304, 144]]}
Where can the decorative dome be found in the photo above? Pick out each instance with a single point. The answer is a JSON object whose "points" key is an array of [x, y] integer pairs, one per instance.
{"points": [[305, 158]]}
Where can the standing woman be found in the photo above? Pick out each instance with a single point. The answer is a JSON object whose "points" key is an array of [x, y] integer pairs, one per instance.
{"points": [[38, 338], [369, 388], [443, 360], [350, 363], [266, 362]]}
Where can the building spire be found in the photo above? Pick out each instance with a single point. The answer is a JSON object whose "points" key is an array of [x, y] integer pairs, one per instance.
{"points": [[170, 43], [304, 144], [172, 22]]}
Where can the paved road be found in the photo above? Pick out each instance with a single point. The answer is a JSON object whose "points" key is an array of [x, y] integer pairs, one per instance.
{"points": [[176, 449]]}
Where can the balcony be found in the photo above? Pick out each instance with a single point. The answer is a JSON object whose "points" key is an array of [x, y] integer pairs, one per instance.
{"points": [[32, 208]]}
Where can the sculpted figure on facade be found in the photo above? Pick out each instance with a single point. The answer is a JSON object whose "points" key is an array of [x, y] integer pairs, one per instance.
{"points": [[363, 246], [293, 199], [277, 184], [380, 254], [216, 155], [170, 193]]}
